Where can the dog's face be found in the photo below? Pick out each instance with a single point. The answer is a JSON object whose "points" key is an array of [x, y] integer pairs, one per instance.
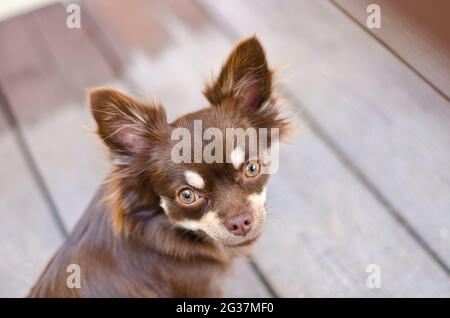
{"points": [[224, 198], [218, 188]]}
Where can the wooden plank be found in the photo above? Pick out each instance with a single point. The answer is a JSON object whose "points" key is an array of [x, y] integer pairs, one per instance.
{"points": [[70, 158], [28, 234], [135, 24], [31, 82], [323, 247], [387, 121], [99, 30], [77, 57], [416, 30], [32, 86]]}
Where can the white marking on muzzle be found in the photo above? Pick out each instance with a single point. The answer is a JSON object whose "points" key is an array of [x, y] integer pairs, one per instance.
{"points": [[205, 223], [258, 199], [209, 222]]}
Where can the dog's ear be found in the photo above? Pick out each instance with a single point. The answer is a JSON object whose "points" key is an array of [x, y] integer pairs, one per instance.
{"points": [[245, 76], [125, 125]]}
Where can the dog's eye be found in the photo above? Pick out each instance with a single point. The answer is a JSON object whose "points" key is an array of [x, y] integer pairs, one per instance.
{"points": [[252, 169], [187, 196]]}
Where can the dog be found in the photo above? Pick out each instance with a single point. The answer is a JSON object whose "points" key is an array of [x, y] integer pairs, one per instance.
{"points": [[159, 228]]}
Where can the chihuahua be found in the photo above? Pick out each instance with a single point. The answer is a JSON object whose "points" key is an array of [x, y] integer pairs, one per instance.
{"points": [[164, 227]]}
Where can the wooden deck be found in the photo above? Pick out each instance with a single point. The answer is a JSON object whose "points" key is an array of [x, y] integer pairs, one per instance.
{"points": [[367, 180]]}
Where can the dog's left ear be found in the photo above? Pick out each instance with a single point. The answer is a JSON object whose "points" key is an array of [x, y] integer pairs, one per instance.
{"points": [[245, 76]]}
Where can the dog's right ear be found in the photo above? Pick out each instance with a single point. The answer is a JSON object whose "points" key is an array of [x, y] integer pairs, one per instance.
{"points": [[125, 125]]}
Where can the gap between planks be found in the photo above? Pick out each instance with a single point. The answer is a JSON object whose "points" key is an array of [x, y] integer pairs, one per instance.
{"points": [[30, 162]]}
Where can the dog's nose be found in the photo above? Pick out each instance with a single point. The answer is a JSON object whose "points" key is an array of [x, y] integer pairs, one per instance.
{"points": [[239, 224]]}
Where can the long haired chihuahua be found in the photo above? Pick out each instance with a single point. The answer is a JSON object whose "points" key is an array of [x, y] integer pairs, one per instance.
{"points": [[183, 199]]}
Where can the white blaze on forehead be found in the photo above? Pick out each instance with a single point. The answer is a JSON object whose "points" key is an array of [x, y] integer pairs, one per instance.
{"points": [[194, 179], [237, 157]]}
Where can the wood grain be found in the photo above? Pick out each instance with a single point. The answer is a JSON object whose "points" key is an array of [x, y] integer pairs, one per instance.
{"points": [[79, 61], [29, 78]]}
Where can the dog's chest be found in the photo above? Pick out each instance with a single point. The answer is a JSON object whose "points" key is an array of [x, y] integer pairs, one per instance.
{"points": [[199, 279]]}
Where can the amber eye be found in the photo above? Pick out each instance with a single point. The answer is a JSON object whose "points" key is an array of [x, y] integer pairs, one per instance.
{"points": [[187, 196], [252, 169]]}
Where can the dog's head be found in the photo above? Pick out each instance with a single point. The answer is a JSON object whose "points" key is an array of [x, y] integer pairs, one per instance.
{"points": [[205, 176]]}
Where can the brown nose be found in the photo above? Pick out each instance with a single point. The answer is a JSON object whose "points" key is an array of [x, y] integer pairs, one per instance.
{"points": [[239, 224]]}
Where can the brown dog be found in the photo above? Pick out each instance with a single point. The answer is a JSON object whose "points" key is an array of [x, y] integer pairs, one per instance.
{"points": [[162, 228]]}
